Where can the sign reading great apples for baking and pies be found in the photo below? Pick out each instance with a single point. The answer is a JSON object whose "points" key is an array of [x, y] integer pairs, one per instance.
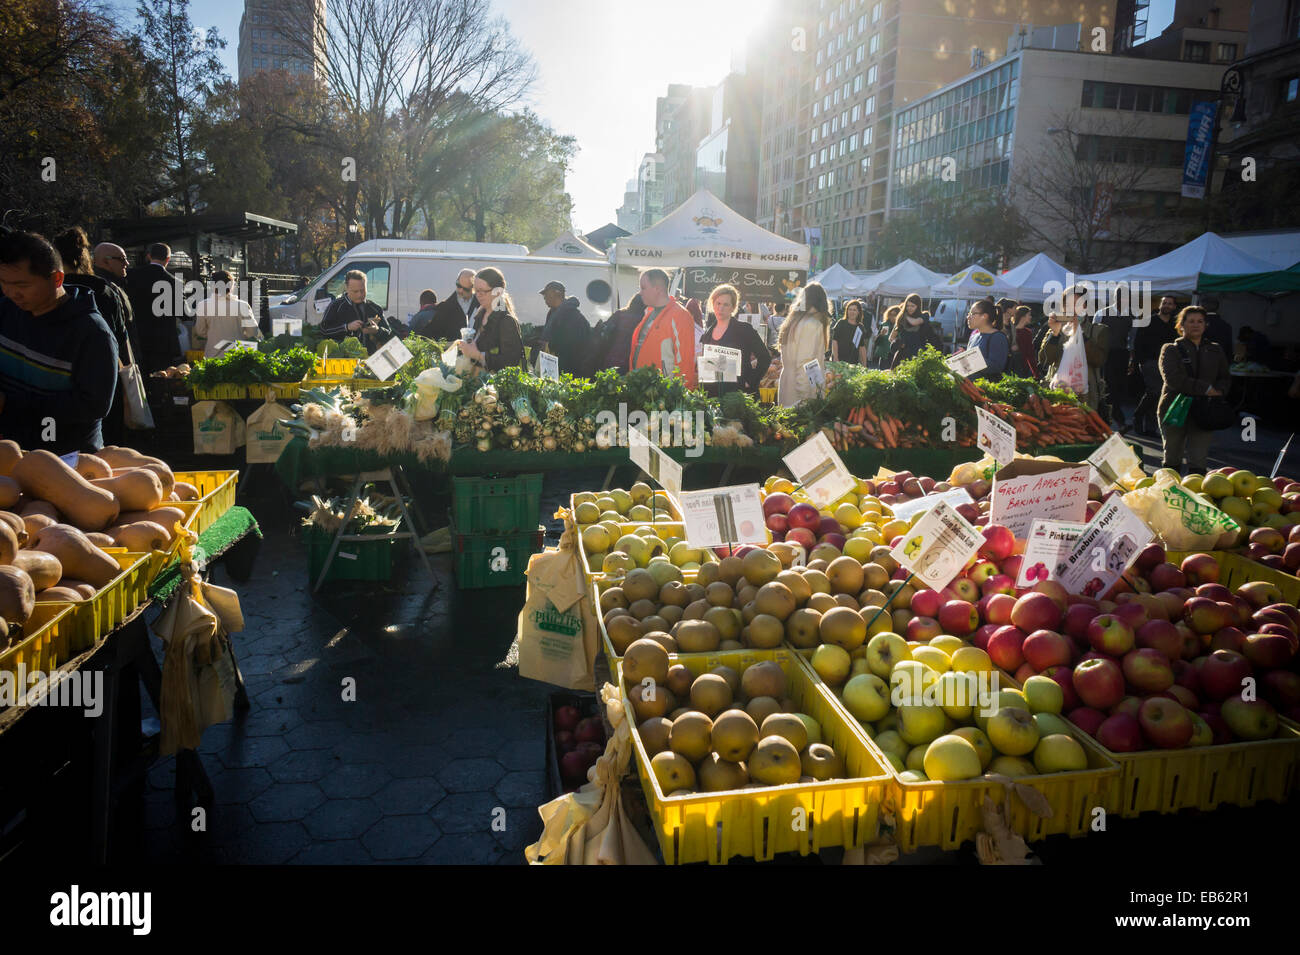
{"points": [[1057, 495]]}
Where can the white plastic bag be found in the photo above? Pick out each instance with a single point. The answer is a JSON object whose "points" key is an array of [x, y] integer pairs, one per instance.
{"points": [[1072, 372], [1181, 519]]}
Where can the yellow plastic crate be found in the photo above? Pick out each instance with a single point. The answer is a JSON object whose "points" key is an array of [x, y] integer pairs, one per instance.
{"points": [[221, 393], [216, 496], [666, 512], [947, 814], [48, 636], [1237, 569], [91, 620], [193, 355], [335, 368], [759, 823]]}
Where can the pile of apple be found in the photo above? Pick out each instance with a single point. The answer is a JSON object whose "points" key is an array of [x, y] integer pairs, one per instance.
{"points": [[936, 713], [1275, 548], [638, 504], [1164, 667], [722, 730], [578, 744], [613, 553]]}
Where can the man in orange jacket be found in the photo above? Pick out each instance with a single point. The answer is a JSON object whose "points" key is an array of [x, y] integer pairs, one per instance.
{"points": [[665, 339]]}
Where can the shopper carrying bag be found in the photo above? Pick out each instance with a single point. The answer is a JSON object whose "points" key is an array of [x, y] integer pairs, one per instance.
{"points": [[136, 414]]}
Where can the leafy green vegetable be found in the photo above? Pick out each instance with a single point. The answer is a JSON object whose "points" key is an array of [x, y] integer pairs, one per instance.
{"points": [[243, 366]]}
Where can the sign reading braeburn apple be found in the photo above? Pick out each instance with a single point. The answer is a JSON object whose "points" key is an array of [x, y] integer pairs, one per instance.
{"points": [[939, 546], [1046, 547], [1110, 543], [724, 515], [1057, 495], [819, 469]]}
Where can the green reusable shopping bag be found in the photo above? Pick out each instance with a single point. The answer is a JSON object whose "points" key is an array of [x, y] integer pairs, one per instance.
{"points": [[1176, 414]]}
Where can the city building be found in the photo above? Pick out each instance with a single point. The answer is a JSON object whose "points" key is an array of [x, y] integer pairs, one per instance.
{"points": [[628, 216], [780, 51], [267, 33], [650, 190], [1195, 32], [726, 161], [682, 120]]}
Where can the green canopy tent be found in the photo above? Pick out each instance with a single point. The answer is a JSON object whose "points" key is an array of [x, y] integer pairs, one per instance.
{"points": [[1264, 283]]}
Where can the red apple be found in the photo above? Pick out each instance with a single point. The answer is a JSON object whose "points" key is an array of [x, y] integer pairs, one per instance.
{"points": [[965, 589], [1054, 590], [1005, 648], [777, 504], [1046, 648], [997, 608], [1206, 616], [926, 603], [1186, 675], [1250, 719], [1077, 618], [958, 617], [564, 741], [1108, 634], [1281, 688], [923, 629], [1147, 671], [1267, 615], [1183, 695], [1036, 611], [1011, 565], [1131, 613], [981, 571], [1149, 557], [574, 766], [1192, 642], [1122, 733], [802, 536], [1200, 569], [834, 539], [1267, 650], [1217, 726], [1223, 672], [1216, 592], [590, 730], [998, 544], [1229, 638], [1025, 671], [1099, 683], [1290, 611], [1064, 676], [1165, 723], [999, 584], [1086, 718], [778, 523], [1129, 705], [981, 636], [1161, 635], [567, 717], [805, 516]]}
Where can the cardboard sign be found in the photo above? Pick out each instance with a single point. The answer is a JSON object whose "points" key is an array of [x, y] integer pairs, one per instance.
{"points": [[813, 369], [996, 437], [386, 361], [819, 469], [857, 337], [548, 366], [1047, 545], [939, 546], [655, 462], [1058, 493], [724, 515], [719, 363], [957, 496], [1109, 544], [1114, 459], [967, 362], [287, 326]]}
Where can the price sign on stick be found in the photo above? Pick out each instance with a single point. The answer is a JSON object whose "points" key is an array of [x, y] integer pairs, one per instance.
{"points": [[226, 345], [967, 362], [938, 547], [655, 462], [958, 495], [548, 366], [724, 515], [1109, 544], [813, 369], [387, 360], [996, 437], [819, 469], [719, 363], [1277, 465], [1114, 459], [287, 326], [1047, 545]]}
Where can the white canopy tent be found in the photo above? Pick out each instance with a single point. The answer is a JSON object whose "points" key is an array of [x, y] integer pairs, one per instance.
{"points": [[974, 281], [566, 245], [837, 281], [1282, 248], [1028, 280], [1181, 269], [902, 279]]}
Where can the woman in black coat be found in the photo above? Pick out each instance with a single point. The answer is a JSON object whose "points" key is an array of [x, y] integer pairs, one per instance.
{"points": [[727, 332], [497, 342]]}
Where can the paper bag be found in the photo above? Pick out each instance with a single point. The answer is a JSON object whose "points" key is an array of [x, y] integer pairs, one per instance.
{"points": [[266, 436], [218, 429], [557, 628]]}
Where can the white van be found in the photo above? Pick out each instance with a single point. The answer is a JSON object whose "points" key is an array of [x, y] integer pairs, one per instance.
{"points": [[950, 316], [397, 271]]}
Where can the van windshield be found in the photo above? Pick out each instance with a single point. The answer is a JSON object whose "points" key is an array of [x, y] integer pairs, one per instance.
{"points": [[298, 292]]}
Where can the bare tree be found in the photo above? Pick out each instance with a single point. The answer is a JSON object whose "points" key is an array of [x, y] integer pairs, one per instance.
{"points": [[1084, 193]]}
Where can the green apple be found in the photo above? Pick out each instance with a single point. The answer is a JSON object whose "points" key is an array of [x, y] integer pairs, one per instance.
{"points": [[910, 680], [866, 696], [814, 728], [956, 694], [895, 762], [683, 553], [890, 742], [888, 722], [884, 651], [979, 741], [950, 758], [916, 757], [1044, 694], [1202, 735], [832, 663], [1012, 731], [913, 776], [1049, 724], [1058, 754], [1003, 698], [918, 723], [1012, 766], [859, 548]]}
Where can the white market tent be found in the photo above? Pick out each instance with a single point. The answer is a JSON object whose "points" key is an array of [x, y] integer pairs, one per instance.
{"points": [[1181, 269], [1282, 248], [837, 281], [974, 281], [902, 279], [705, 231], [1028, 280], [568, 246]]}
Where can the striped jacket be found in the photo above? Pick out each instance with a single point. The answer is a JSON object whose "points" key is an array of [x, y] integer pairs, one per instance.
{"points": [[58, 372]]}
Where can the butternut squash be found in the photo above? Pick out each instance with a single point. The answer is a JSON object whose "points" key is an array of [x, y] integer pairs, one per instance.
{"points": [[41, 507], [79, 557], [44, 569], [118, 457], [17, 595], [185, 491], [16, 522], [165, 517], [136, 490], [34, 522], [101, 539], [141, 537], [45, 475], [8, 544], [59, 594], [93, 468], [10, 454], [10, 492], [80, 586]]}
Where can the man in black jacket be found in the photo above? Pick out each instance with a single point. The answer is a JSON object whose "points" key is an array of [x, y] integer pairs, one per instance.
{"points": [[352, 314], [1147, 343], [567, 333], [158, 306], [58, 360], [455, 311]]}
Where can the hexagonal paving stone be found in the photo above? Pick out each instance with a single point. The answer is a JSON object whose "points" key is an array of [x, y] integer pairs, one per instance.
{"points": [[523, 754], [270, 843], [259, 722], [342, 818], [411, 760], [282, 696], [321, 734], [365, 748], [521, 789], [336, 852], [400, 837], [282, 802], [303, 766], [459, 848], [235, 786], [473, 742], [519, 834], [466, 812], [403, 797], [242, 753], [354, 780], [470, 775]]}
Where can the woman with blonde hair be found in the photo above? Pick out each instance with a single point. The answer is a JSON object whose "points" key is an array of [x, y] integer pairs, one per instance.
{"points": [[805, 336], [727, 332]]}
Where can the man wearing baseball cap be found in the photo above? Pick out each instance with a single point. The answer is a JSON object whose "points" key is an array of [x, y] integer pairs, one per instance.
{"points": [[567, 334]]}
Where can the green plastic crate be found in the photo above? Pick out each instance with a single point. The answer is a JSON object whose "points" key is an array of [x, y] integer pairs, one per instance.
{"points": [[503, 505], [355, 560], [494, 560]]}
